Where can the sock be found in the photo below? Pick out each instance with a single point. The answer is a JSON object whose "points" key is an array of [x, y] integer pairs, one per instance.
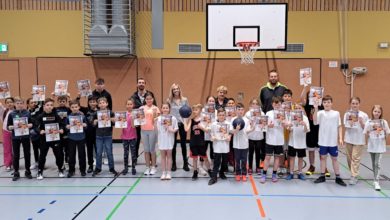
{"points": [[274, 172], [337, 175], [264, 172], [322, 174]]}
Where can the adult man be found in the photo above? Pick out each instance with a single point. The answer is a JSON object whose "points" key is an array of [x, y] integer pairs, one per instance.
{"points": [[139, 100], [271, 89]]}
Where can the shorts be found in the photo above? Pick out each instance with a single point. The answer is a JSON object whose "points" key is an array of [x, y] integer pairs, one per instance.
{"points": [[198, 151], [292, 152], [276, 150], [333, 151], [149, 140]]}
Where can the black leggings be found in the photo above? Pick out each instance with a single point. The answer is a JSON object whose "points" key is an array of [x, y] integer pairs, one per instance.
{"points": [[183, 139], [258, 148], [36, 145], [16, 153]]}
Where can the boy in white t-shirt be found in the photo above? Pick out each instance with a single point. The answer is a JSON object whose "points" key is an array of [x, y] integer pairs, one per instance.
{"points": [[274, 139], [329, 133], [240, 143]]}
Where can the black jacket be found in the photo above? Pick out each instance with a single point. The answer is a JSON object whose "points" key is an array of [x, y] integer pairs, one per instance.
{"points": [[19, 114], [137, 101], [267, 92], [49, 118], [105, 94]]}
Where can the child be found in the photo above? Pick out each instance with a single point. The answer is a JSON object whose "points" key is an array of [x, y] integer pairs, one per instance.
{"points": [[129, 139], [274, 140], [100, 91], [286, 97], [35, 110], [197, 141], [49, 116], [76, 139], [229, 116], [255, 139], [354, 138], [330, 131], [209, 101], [221, 138], [63, 111], [22, 138], [149, 134], [376, 129], [90, 134], [166, 128], [104, 139], [298, 128], [240, 143], [7, 135]]}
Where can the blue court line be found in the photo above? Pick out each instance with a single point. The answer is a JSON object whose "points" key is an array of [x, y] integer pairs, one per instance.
{"points": [[52, 202], [124, 194], [40, 211], [324, 196]]}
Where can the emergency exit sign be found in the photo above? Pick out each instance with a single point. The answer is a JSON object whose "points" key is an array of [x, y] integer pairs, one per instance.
{"points": [[3, 48]]}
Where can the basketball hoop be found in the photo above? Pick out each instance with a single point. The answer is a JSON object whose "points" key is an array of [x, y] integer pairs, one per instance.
{"points": [[247, 51]]}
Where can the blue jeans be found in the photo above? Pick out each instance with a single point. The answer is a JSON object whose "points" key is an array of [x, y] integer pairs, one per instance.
{"points": [[104, 143]]}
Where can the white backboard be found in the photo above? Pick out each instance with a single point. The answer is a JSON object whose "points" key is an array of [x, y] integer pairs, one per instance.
{"points": [[228, 24]]}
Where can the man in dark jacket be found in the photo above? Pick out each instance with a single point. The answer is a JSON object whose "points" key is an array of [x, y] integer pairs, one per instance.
{"points": [[271, 89]]}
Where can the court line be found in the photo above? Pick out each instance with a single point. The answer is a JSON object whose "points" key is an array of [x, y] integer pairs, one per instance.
{"points": [[256, 193], [129, 194], [60, 186], [323, 196]]}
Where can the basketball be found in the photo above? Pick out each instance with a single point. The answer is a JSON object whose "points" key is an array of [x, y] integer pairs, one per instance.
{"points": [[238, 121], [185, 111]]}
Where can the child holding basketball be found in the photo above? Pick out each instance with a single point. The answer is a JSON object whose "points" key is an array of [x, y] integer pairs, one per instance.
{"points": [[329, 136], [166, 128], [298, 128], [221, 138], [129, 140], [354, 121], [274, 139], [376, 130], [197, 142], [255, 139]]}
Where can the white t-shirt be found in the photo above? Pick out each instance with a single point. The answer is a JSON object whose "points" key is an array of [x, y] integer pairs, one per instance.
{"points": [[240, 140], [297, 137], [275, 135], [376, 145], [207, 134], [165, 138], [220, 146], [355, 134], [255, 135], [329, 122]]}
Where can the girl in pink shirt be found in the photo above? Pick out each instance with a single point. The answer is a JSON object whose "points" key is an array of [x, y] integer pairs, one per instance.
{"points": [[129, 139]]}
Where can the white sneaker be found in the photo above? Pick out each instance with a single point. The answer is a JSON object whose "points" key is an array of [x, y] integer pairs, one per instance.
{"points": [[377, 186], [61, 174], [168, 176], [147, 171], [39, 176], [353, 180], [33, 166], [153, 171], [8, 169], [202, 171], [163, 176], [105, 161]]}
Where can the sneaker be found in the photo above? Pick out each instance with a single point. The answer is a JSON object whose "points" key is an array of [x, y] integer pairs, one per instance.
{"points": [[113, 171], [27, 174], [320, 179], [168, 176], [202, 171], [244, 179], [16, 176], [274, 178], [340, 181], [262, 178], [33, 166], [105, 161], [153, 171], [173, 168], [258, 171], [39, 176], [163, 176], [96, 172], [147, 171], [250, 171], [290, 176], [61, 174], [238, 178], [125, 171], [83, 173], [222, 176], [327, 173], [301, 176], [70, 174], [185, 167], [212, 181], [133, 171], [195, 175], [311, 170], [8, 169], [280, 173], [353, 180], [90, 169], [377, 187]]}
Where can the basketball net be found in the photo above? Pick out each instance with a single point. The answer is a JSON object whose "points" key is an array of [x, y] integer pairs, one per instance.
{"points": [[247, 51]]}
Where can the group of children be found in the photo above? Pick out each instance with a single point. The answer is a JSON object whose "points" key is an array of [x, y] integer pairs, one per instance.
{"points": [[240, 133]]}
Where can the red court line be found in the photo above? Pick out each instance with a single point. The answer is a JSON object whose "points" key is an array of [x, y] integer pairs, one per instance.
{"points": [[253, 185], [259, 205], [261, 209]]}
